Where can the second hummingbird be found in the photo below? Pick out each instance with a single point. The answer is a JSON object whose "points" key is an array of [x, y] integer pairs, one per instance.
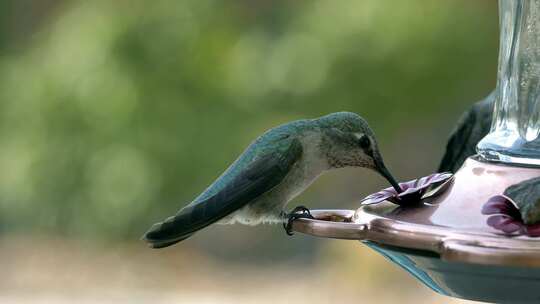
{"points": [[273, 170]]}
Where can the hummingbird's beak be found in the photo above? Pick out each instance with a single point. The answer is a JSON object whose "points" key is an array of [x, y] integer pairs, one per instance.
{"points": [[381, 168]]}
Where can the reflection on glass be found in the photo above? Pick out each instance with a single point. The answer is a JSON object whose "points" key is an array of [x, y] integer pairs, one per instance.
{"points": [[516, 125]]}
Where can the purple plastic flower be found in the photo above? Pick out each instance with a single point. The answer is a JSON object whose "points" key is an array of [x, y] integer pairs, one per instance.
{"points": [[505, 216], [413, 191]]}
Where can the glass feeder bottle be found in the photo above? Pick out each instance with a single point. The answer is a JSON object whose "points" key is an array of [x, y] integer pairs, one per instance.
{"points": [[514, 136]]}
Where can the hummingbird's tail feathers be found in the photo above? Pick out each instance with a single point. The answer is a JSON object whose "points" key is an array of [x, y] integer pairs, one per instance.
{"points": [[176, 228], [193, 218], [158, 244]]}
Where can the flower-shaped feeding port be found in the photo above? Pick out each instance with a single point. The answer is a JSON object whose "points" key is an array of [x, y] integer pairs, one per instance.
{"points": [[505, 216], [414, 191]]}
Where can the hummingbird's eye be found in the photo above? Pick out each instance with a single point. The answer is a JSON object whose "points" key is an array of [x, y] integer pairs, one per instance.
{"points": [[364, 142]]}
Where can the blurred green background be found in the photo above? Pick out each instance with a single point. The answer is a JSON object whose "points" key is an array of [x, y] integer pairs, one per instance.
{"points": [[114, 114]]}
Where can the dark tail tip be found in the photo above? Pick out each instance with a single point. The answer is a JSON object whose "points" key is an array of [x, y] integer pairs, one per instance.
{"points": [[160, 236]]}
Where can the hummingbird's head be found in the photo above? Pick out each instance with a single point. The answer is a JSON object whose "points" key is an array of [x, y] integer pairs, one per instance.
{"points": [[350, 142]]}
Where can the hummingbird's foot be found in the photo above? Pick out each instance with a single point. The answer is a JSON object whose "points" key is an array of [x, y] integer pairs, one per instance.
{"points": [[297, 213]]}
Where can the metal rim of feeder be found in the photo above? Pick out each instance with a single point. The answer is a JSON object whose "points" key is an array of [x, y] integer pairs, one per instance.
{"points": [[450, 245]]}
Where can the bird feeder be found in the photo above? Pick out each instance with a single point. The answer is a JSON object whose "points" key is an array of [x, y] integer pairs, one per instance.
{"points": [[446, 242]]}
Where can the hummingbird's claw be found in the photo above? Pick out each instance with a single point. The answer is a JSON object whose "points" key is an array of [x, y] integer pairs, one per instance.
{"points": [[297, 213]]}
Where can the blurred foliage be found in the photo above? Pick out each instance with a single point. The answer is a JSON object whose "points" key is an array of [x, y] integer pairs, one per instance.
{"points": [[115, 113]]}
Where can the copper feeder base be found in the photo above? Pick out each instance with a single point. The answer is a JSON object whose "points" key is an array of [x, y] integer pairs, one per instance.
{"points": [[446, 242]]}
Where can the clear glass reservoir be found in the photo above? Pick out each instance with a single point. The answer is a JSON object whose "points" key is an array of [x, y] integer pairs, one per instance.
{"points": [[514, 136]]}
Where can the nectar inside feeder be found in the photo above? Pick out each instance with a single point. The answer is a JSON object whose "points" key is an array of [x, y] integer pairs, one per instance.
{"points": [[459, 240]]}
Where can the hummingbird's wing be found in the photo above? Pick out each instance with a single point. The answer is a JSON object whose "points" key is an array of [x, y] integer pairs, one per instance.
{"points": [[471, 128], [260, 168]]}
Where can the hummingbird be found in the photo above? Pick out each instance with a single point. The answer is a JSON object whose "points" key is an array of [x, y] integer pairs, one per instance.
{"points": [[273, 170], [473, 125]]}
